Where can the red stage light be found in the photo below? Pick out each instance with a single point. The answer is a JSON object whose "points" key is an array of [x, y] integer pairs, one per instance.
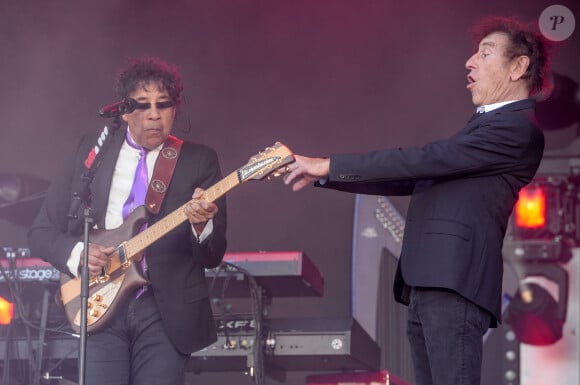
{"points": [[530, 210], [6, 311]]}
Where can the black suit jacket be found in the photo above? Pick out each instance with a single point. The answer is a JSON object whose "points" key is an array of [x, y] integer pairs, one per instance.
{"points": [[176, 262], [463, 191]]}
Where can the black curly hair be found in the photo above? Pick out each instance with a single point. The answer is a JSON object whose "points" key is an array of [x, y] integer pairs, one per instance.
{"points": [[143, 70], [524, 40]]}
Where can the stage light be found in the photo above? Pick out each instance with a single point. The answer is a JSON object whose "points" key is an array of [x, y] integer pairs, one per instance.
{"points": [[559, 106], [6, 311], [530, 210], [20, 197], [534, 315], [543, 224]]}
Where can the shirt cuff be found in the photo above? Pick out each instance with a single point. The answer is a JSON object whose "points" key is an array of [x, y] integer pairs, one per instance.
{"points": [[74, 259], [207, 230]]}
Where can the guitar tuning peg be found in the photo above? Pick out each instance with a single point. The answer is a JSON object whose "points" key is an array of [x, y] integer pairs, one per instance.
{"points": [[275, 174]]}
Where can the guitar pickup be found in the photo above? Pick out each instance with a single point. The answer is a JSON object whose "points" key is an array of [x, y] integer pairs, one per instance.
{"points": [[123, 256]]}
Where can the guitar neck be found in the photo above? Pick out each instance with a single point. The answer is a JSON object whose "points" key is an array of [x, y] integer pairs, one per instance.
{"points": [[156, 231]]}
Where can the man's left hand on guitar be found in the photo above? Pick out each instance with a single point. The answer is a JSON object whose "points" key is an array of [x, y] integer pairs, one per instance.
{"points": [[98, 258], [199, 211]]}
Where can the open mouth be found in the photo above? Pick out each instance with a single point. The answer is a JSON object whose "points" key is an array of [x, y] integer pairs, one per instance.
{"points": [[470, 81]]}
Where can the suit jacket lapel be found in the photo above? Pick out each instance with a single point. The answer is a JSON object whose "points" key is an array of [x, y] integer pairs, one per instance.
{"points": [[475, 116], [101, 185], [476, 119]]}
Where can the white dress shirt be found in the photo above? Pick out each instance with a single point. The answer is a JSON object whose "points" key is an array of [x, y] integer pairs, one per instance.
{"points": [[494, 106]]}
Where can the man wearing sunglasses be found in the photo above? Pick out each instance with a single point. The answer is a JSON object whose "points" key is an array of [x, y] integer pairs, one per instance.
{"points": [[157, 325]]}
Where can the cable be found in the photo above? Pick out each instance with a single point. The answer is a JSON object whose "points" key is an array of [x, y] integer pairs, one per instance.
{"points": [[256, 358]]}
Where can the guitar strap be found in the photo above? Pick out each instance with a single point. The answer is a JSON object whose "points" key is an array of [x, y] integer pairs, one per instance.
{"points": [[162, 173]]}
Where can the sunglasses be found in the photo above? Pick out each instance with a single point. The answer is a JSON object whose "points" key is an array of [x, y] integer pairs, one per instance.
{"points": [[158, 105]]}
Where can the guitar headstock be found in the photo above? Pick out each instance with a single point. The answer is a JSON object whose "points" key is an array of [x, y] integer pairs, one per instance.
{"points": [[266, 162]]}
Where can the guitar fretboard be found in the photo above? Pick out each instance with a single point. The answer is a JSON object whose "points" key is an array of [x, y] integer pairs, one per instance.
{"points": [[156, 231]]}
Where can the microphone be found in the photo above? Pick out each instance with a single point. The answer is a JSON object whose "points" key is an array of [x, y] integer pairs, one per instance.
{"points": [[117, 109]]}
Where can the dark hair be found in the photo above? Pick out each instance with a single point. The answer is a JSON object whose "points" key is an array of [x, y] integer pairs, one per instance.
{"points": [[141, 71], [524, 40]]}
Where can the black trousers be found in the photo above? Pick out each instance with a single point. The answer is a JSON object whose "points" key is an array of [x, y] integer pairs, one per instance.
{"points": [[446, 335], [134, 349]]}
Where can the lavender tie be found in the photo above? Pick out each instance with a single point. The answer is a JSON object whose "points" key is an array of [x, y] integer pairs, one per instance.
{"points": [[140, 182], [137, 195]]}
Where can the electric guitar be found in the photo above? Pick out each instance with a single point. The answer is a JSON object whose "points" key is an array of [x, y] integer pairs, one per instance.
{"points": [[122, 275]]}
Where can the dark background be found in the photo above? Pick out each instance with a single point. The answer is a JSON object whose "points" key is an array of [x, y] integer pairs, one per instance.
{"points": [[320, 76]]}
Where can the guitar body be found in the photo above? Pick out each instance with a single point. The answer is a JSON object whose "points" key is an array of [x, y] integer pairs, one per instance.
{"points": [[107, 291]]}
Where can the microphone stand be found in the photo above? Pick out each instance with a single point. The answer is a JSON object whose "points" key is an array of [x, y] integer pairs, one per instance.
{"points": [[78, 199]]}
